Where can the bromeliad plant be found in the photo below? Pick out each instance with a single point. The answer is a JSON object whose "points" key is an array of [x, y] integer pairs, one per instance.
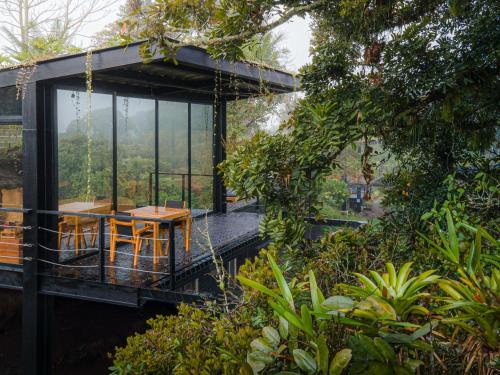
{"points": [[378, 314], [473, 298], [276, 347], [393, 295]]}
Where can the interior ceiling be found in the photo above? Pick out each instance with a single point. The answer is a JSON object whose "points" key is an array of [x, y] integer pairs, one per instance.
{"points": [[178, 79]]}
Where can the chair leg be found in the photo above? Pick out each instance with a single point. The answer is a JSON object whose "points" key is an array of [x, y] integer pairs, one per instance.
{"points": [[138, 247], [69, 237], [77, 239], [59, 235], [93, 236], [112, 247]]}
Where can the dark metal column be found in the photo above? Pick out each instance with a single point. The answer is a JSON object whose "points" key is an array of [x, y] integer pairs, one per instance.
{"points": [[220, 127], [157, 154], [37, 309], [114, 198]]}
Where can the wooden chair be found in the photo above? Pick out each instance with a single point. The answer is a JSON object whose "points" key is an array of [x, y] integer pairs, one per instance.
{"points": [[76, 225], [138, 235], [184, 223]]}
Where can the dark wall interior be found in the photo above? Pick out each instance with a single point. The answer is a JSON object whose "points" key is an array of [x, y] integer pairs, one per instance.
{"points": [[84, 333]]}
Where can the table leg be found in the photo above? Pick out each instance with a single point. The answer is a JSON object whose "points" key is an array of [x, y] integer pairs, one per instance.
{"points": [[188, 234]]}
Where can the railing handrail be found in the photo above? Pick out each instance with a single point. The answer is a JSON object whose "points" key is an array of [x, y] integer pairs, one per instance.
{"points": [[101, 237]]}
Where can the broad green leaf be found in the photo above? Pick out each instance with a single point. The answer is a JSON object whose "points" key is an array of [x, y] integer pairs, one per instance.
{"points": [[306, 318], [392, 274], [337, 303], [256, 359], [283, 327], [424, 330], [404, 271], [367, 345], [452, 235], [317, 297], [384, 348], [257, 286], [322, 354], [340, 361], [305, 361], [283, 285], [261, 345], [271, 335]]}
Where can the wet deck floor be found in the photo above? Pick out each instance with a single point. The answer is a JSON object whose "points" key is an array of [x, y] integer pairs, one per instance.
{"points": [[223, 230]]}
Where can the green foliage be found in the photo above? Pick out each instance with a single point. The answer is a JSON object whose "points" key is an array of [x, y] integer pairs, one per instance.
{"points": [[473, 293], [196, 341], [382, 312], [473, 194], [287, 170], [294, 327], [394, 293], [334, 192]]}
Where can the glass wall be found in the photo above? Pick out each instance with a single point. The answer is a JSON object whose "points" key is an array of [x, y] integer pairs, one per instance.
{"points": [[85, 145], [11, 193], [136, 151], [85, 152], [202, 155], [173, 151]]}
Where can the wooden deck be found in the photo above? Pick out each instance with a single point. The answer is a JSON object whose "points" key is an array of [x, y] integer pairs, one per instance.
{"points": [[225, 231]]}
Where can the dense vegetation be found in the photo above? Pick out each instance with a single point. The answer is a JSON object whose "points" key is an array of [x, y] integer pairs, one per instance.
{"points": [[417, 291]]}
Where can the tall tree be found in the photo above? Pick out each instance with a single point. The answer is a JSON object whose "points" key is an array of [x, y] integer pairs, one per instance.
{"points": [[33, 28], [421, 76]]}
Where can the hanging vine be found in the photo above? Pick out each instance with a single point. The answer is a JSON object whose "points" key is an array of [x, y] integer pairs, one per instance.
{"points": [[90, 131], [26, 71]]}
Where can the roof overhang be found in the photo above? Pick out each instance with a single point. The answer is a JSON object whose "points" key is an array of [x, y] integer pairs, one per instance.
{"points": [[193, 70]]}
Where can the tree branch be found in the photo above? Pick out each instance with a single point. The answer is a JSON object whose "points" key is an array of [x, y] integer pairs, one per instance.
{"points": [[270, 26]]}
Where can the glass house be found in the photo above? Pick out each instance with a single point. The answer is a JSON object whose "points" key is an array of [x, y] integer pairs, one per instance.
{"points": [[76, 162]]}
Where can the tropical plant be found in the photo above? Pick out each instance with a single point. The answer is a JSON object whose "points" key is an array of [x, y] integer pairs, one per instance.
{"points": [[373, 315], [395, 292], [473, 299], [312, 358]]}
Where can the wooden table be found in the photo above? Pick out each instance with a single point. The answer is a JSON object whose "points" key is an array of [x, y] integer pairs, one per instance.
{"points": [[164, 213], [77, 221], [86, 207]]}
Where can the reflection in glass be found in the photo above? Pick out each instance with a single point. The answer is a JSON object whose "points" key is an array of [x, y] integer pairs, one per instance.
{"points": [[202, 155], [84, 147], [173, 151], [136, 150], [11, 193], [10, 105]]}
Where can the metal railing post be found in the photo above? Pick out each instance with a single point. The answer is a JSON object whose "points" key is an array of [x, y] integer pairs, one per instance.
{"points": [[101, 246], [183, 194], [171, 254], [150, 188]]}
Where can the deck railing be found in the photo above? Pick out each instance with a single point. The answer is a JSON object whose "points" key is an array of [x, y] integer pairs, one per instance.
{"points": [[46, 251]]}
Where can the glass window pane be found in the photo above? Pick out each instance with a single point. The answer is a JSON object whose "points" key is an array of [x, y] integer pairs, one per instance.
{"points": [[173, 151], [11, 193], [84, 149], [9, 105], [136, 151], [202, 155]]}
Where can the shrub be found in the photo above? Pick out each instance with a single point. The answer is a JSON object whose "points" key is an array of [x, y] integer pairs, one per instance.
{"points": [[196, 341]]}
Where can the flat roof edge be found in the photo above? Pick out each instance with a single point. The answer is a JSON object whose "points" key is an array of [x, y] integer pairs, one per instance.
{"points": [[120, 56]]}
